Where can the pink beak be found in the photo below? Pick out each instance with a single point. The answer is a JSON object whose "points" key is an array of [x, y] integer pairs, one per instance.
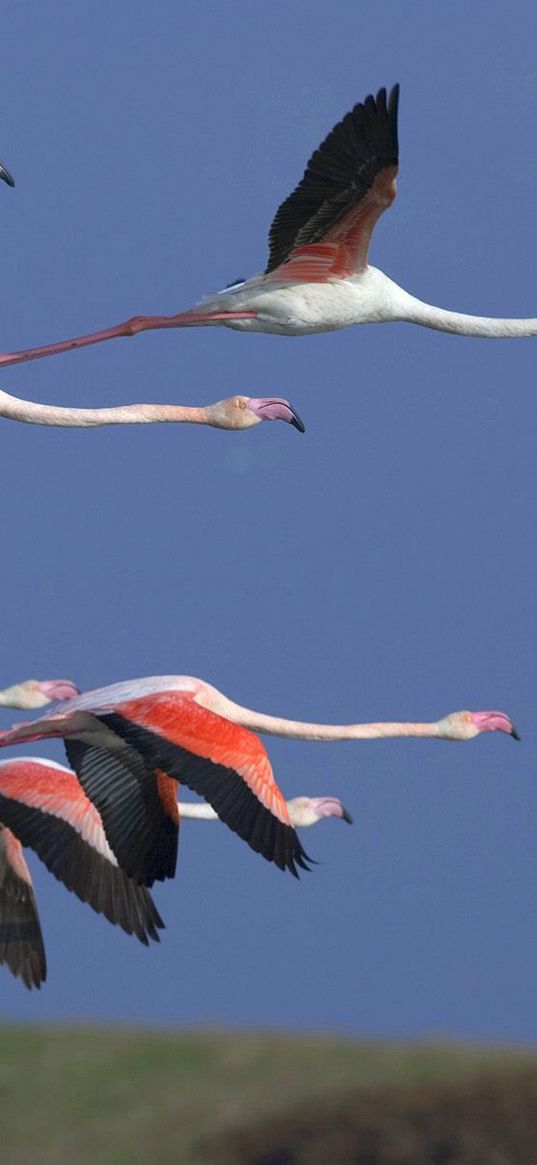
{"points": [[275, 408], [58, 689], [495, 722], [330, 807]]}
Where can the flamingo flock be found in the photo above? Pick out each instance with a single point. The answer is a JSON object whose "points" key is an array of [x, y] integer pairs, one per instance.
{"points": [[108, 827]]}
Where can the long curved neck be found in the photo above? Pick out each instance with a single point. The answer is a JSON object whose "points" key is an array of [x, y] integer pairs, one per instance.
{"points": [[31, 413], [301, 730], [414, 311]]}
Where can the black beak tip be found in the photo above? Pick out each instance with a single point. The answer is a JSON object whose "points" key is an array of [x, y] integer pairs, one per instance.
{"points": [[514, 732], [298, 422], [6, 176], [347, 816]]}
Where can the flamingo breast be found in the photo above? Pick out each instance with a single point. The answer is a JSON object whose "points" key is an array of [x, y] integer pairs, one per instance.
{"points": [[298, 309]]}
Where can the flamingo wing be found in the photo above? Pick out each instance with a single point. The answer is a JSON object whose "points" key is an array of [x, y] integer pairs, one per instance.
{"points": [[141, 825], [21, 942], [45, 807], [169, 737], [323, 229]]}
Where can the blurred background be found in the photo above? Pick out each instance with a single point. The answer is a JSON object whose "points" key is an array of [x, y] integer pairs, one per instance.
{"points": [[382, 566]]}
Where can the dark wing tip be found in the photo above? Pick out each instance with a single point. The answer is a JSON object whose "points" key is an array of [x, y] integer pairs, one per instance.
{"points": [[338, 175], [298, 857]]}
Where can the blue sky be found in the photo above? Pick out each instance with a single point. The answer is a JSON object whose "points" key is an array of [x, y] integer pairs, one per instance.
{"points": [[382, 566]]}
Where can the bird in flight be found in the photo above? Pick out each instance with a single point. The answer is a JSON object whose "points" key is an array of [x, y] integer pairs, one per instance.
{"points": [[43, 806], [317, 277], [131, 743], [455, 726]]}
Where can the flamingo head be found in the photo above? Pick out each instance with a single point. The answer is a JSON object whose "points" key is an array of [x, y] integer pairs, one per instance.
{"points": [[243, 412], [466, 725], [37, 693], [308, 810]]}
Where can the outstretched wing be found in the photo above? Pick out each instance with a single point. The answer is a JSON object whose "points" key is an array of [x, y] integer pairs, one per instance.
{"points": [[170, 738], [223, 762], [45, 807], [21, 942], [324, 227]]}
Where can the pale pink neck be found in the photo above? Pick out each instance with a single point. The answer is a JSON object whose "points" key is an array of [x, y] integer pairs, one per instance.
{"points": [[414, 311], [29, 412], [300, 730]]}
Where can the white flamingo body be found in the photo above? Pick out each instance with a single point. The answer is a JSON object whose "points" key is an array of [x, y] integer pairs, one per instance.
{"points": [[303, 309], [368, 297]]}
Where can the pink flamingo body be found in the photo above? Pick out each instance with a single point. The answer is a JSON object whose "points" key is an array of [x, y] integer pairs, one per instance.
{"points": [[317, 278], [455, 726], [131, 743]]}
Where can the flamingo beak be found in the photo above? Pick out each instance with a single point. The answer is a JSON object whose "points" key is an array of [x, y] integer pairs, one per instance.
{"points": [[346, 816], [514, 731], [275, 408], [296, 420], [6, 176]]}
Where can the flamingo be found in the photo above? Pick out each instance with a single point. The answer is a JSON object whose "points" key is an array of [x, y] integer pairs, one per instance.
{"points": [[130, 743], [43, 806], [317, 278], [455, 726], [236, 412], [49, 811]]}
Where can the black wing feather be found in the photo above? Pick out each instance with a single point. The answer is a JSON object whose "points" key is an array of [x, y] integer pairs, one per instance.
{"points": [[21, 942], [224, 789], [124, 790], [338, 175], [94, 879]]}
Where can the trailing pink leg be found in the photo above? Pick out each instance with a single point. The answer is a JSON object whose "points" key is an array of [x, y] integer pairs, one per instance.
{"points": [[187, 319]]}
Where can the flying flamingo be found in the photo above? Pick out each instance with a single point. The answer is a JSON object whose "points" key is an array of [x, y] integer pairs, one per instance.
{"points": [[454, 726], [49, 811], [131, 742], [317, 278], [236, 412], [43, 806]]}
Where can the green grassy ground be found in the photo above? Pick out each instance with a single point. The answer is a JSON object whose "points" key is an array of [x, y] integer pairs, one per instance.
{"points": [[123, 1097]]}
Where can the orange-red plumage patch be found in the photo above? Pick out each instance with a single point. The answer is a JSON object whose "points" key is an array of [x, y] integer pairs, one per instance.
{"points": [[167, 791]]}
